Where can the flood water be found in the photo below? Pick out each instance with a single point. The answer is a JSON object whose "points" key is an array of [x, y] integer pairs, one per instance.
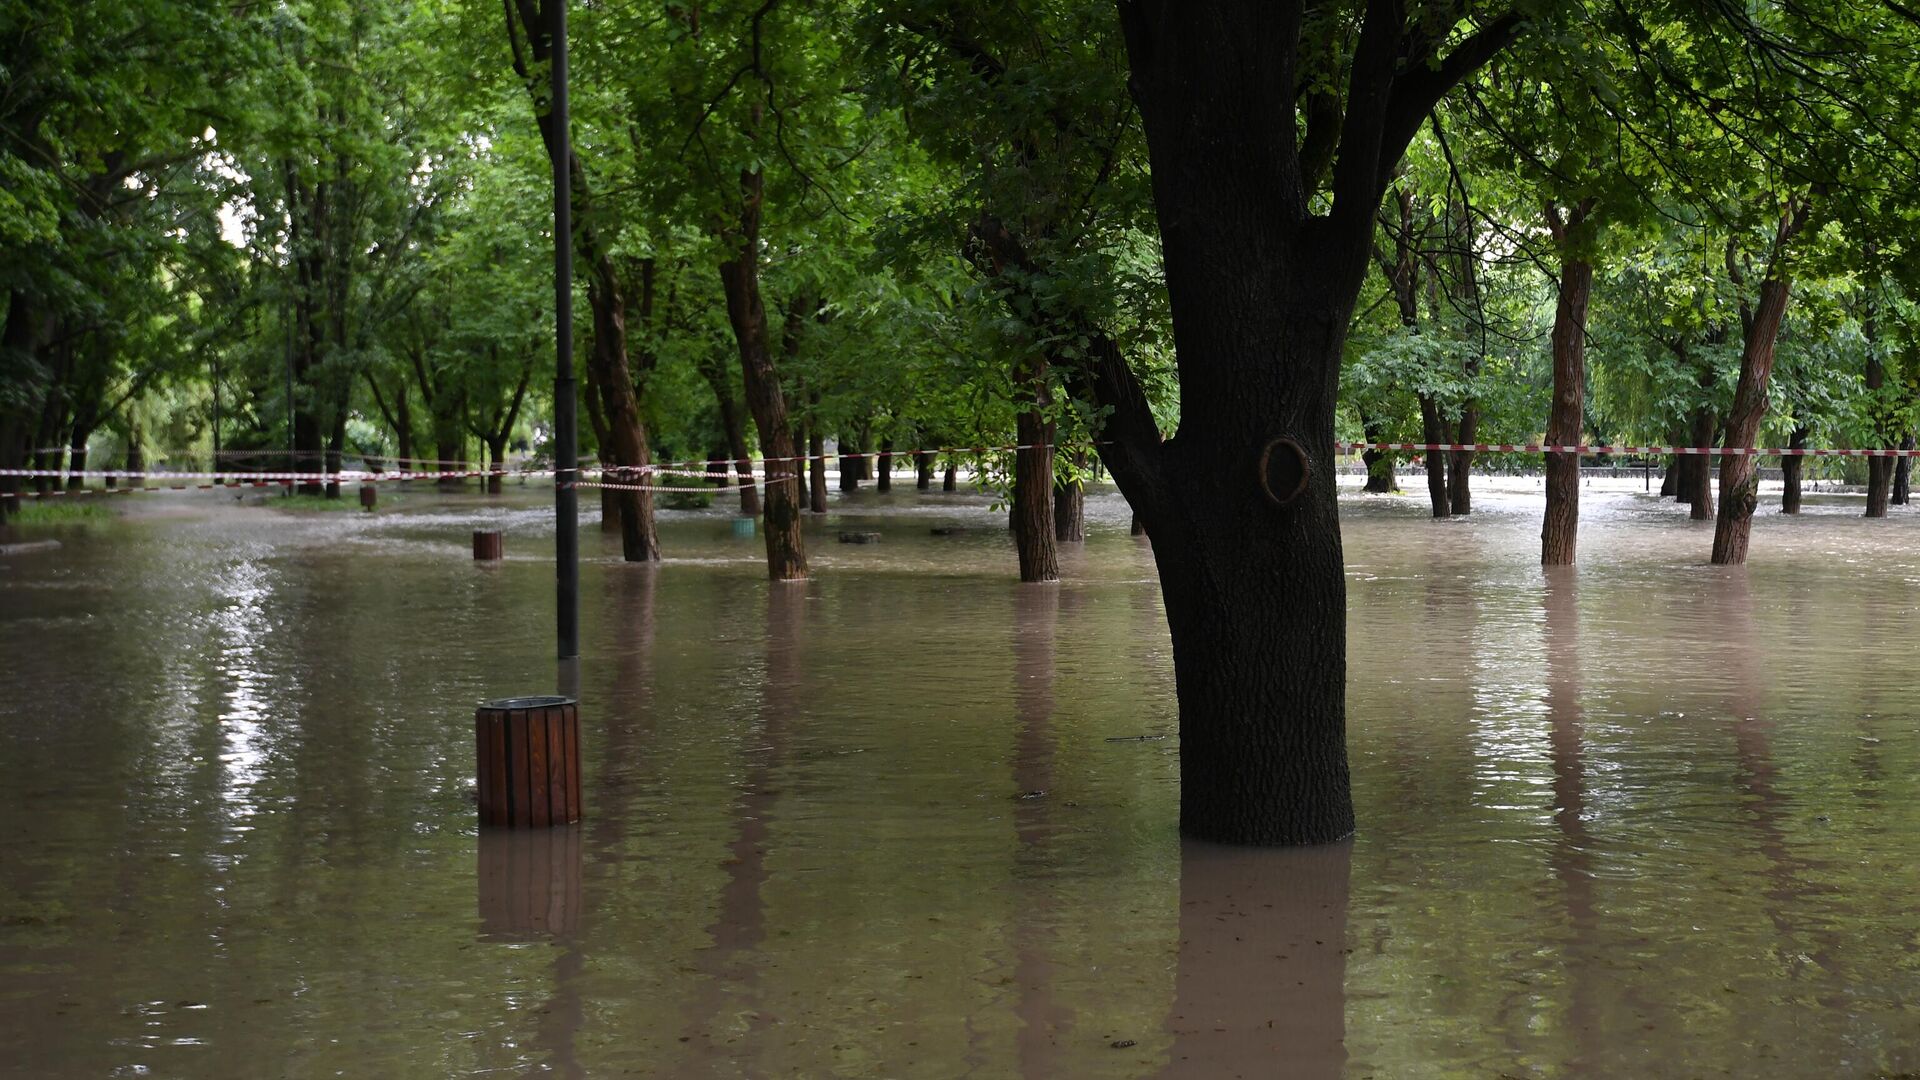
{"points": [[1647, 818]]}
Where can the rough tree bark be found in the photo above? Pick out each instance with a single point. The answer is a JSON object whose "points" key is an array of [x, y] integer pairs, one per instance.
{"points": [[1031, 515], [1560, 531], [1739, 480], [625, 443], [740, 277], [1261, 291], [1433, 429]]}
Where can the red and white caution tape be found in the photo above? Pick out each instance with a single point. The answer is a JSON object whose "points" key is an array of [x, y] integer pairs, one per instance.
{"points": [[1586, 450]]}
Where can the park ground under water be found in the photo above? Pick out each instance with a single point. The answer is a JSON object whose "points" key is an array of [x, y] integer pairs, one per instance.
{"points": [[1647, 818]]}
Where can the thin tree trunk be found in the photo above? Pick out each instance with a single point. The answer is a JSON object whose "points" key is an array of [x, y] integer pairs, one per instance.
{"points": [[1460, 462], [1790, 472], [1560, 531], [497, 463], [1032, 510], [740, 277], [1739, 481], [816, 468], [1070, 506], [1434, 430], [1902, 470], [609, 498], [77, 458], [851, 455], [1697, 481]]}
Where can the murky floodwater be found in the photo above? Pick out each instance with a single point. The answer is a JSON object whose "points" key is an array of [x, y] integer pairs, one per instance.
{"points": [[1647, 819]]}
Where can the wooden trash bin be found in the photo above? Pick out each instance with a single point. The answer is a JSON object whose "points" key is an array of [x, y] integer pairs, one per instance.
{"points": [[487, 546], [528, 762]]}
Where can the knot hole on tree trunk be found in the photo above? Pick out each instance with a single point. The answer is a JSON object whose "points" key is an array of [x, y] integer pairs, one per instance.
{"points": [[1284, 470]]}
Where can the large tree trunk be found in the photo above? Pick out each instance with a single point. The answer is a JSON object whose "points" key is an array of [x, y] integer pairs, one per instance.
{"points": [[740, 277], [1434, 430], [1739, 481], [496, 462], [950, 480], [1559, 533], [1242, 503], [923, 471], [1790, 472], [883, 479], [1031, 515], [1670, 477]]}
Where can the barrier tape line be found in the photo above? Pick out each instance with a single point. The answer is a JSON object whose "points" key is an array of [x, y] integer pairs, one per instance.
{"points": [[1592, 450], [704, 470]]}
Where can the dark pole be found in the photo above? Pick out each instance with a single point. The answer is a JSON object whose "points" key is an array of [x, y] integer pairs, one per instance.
{"points": [[566, 497]]}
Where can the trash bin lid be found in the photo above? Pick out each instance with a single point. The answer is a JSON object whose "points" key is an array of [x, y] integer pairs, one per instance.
{"points": [[545, 701]]}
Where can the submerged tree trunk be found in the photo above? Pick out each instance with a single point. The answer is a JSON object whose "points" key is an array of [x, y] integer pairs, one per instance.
{"points": [[1460, 462], [1070, 507], [816, 468], [951, 480], [1242, 503], [1031, 515], [1559, 533], [734, 430], [923, 471], [1739, 480], [1379, 463], [1790, 472], [883, 479], [740, 277], [1434, 430], [1670, 478], [1696, 479], [1902, 471], [851, 455]]}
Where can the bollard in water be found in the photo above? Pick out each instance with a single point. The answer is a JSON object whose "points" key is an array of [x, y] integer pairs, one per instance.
{"points": [[487, 545], [528, 762], [368, 496], [743, 526]]}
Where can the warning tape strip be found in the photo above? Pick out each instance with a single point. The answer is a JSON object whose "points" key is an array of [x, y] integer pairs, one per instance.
{"points": [[705, 470], [1590, 450]]}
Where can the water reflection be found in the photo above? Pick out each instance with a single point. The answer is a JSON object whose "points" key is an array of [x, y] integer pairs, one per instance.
{"points": [[529, 884], [1646, 818], [1044, 1019], [1261, 982]]}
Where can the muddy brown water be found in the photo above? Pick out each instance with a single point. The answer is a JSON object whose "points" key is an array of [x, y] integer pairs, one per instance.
{"points": [[1648, 818]]}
